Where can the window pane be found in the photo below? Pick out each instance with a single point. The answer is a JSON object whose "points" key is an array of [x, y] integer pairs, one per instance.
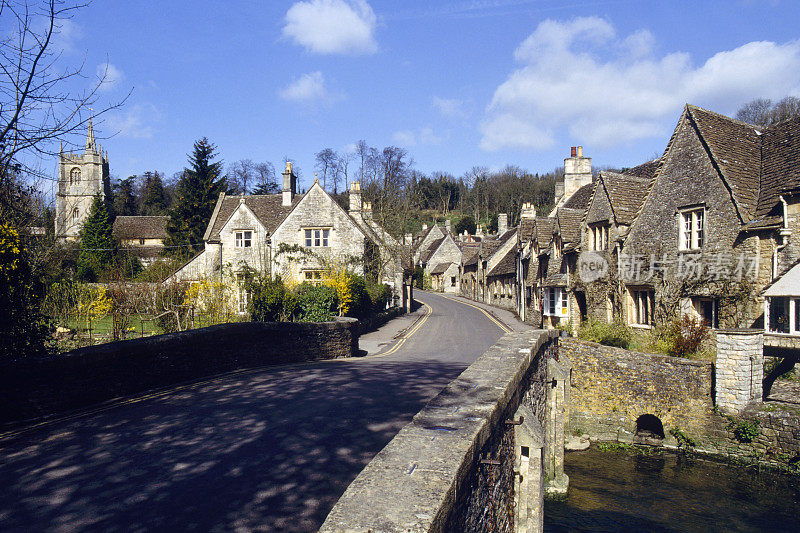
{"points": [[238, 242], [308, 237], [698, 229], [325, 233]]}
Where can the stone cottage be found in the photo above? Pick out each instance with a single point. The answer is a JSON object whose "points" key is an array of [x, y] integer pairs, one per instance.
{"points": [[294, 236]]}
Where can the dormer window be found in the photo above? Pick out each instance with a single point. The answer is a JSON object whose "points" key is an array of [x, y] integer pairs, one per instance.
{"points": [[599, 236], [243, 239], [691, 229]]}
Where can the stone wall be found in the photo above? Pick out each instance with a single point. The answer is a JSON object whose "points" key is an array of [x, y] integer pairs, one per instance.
{"points": [[612, 388], [739, 369], [38, 387], [450, 468]]}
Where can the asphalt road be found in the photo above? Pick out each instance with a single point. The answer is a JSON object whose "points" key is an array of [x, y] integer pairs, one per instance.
{"points": [[269, 449]]}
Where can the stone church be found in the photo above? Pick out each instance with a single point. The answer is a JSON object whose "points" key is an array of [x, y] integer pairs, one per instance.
{"points": [[81, 176]]}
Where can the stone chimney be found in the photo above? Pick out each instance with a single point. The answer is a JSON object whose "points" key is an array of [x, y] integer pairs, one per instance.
{"points": [[528, 211], [502, 223], [289, 185], [447, 225], [424, 227], [366, 210], [409, 238], [355, 198], [577, 173]]}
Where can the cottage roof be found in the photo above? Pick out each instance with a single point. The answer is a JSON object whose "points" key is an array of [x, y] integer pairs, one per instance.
{"points": [[555, 277], [144, 227], [470, 254], [268, 209], [786, 285], [735, 149], [569, 225], [430, 250], [781, 166], [581, 198], [626, 194], [527, 227], [440, 268], [544, 232], [506, 266]]}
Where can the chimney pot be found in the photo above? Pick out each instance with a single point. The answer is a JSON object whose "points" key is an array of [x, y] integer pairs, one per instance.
{"points": [[573, 152], [580, 151]]}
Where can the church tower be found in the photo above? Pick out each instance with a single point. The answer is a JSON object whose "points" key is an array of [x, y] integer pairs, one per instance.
{"points": [[80, 177]]}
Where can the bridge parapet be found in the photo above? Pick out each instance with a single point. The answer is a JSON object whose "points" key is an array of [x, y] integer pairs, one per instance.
{"points": [[474, 458]]}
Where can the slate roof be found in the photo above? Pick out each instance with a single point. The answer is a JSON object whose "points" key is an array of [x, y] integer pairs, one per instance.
{"points": [[149, 227], [554, 277], [569, 223], [527, 227], [506, 266], [544, 232], [430, 250], [268, 209], [735, 148], [440, 268], [581, 198], [781, 166], [645, 170], [470, 253], [626, 194]]}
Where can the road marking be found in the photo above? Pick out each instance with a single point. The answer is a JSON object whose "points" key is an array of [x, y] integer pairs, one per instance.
{"points": [[491, 317], [414, 329]]}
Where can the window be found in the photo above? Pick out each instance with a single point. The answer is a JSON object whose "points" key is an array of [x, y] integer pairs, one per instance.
{"points": [[599, 236], [243, 297], [452, 281], [244, 239], [641, 312], [317, 237], [708, 311], [312, 276], [141, 241], [75, 175], [779, 314], [555, 302], [75, 214], [692, 229]]}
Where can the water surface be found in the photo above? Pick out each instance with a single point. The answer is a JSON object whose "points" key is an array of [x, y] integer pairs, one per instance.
{"points": [[621, 491]]}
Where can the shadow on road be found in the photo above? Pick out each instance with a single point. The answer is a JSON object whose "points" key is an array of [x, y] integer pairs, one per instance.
{"points": [[267, 450]]}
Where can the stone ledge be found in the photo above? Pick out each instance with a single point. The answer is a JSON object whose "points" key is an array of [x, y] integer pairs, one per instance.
{"points": [[414, 482]]}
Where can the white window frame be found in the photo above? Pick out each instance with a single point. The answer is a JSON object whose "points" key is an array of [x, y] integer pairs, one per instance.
{"points": [[243, 238], [316, 237], [642, 306], [552, 297], [691, 228], [312, 276], [698, 302]]}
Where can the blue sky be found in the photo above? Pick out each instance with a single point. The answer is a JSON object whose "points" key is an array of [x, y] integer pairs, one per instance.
{"points": [[457, 83]]}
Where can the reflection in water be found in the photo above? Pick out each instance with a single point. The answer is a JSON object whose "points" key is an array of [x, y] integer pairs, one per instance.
{"points": [[620, 491]]}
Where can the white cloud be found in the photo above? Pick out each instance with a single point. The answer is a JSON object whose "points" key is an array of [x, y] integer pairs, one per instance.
{"points": [[424, 136], [332, 26], [450, 107], [308, 88], [65, 36], [136, 122], [110, 75], [579, 77]]}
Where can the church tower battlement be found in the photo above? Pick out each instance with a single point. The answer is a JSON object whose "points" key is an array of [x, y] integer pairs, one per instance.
{"points": [[80, 177]]}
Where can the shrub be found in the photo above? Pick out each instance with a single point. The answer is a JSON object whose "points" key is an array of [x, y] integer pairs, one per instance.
{"points": [[684, 336], [380, 295], [269, 300], [615, 334], [744, 431], [315, 303]]}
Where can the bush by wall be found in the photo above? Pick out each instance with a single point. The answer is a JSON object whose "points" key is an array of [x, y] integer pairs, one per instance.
{"points": [[616, 334]]}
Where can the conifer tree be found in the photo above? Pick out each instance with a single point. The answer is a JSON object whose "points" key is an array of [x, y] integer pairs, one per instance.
{"points": [[198, 190], [153, 197], [124, 198], [98, 248]]}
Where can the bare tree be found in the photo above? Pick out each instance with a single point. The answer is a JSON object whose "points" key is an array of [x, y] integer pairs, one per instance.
{"points": [[326, 160], [265, 179], [37, 105], [343, 166], [762, 112], [241, 174]]}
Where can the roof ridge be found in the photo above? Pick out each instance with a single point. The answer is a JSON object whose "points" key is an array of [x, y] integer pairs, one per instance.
{"points": [[725, 117]]}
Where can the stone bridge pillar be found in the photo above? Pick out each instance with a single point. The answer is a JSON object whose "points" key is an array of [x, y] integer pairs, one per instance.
{"points": [[739, 370], [557, 414], [528, 465]]}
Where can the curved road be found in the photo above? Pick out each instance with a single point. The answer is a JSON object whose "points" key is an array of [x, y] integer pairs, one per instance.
{"points": [[266, 449]]}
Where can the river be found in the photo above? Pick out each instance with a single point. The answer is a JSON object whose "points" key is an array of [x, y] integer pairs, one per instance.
{"points": [[618, 490]]}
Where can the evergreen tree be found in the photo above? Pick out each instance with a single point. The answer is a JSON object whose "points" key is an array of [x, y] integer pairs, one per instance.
{"points": [[124, 198], [198, 190], [153, 197], [98, 249]]}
